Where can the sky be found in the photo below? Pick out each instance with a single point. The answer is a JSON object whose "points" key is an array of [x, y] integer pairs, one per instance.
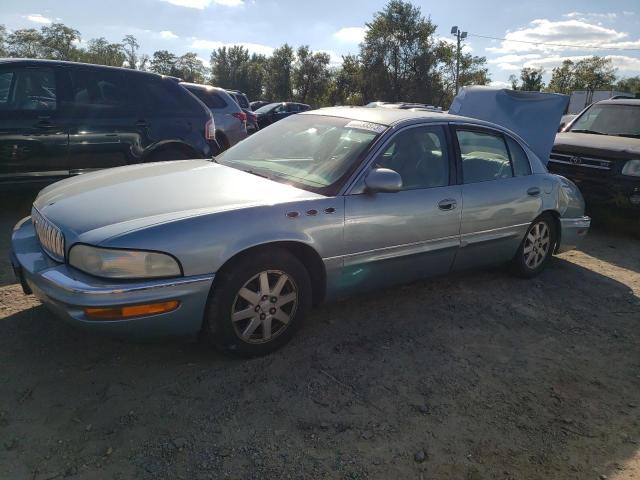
{"points": [[337, 26]]}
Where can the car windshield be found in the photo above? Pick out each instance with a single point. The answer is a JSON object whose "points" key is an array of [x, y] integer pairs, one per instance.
{"points": [[267, 108], [610, 119], [312, 152]]}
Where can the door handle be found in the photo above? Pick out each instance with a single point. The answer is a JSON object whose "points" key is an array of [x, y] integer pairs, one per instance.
{"points": [[447, 204], [45, 125], [533, 191]]}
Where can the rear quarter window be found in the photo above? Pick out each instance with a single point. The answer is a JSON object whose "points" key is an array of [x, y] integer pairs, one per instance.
{"points": [[519, 159], [210, 98], [165, 96]]}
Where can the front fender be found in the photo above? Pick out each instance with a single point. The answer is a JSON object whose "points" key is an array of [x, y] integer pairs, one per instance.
{"points": [[204, 243]]}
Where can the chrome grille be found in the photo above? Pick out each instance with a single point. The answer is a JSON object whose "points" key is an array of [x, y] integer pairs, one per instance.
{"points": [[580, 161], [50, 236]]}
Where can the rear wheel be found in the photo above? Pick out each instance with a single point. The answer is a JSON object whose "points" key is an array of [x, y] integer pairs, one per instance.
{"points": [[536, 248], [167, 154], [258, 303]]}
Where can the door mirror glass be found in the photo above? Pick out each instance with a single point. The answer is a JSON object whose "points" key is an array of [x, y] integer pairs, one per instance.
{"points": [[383, 180]]}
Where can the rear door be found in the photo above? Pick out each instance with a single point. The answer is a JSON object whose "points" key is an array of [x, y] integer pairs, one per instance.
{"points": [[100, 118], [414, 233], [500, 196], [33, 142]]}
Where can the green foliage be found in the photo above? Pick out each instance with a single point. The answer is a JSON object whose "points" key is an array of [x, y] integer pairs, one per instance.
{"points": [[591, 73], [631, 85], [531, 79], [278, 83], [99, 51], [310, 75]]}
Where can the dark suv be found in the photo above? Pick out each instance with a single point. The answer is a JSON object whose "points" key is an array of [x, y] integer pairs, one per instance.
{"points": [[600, 151], [61, 118]]}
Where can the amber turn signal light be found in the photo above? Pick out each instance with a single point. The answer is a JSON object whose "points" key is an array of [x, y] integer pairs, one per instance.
{"points": [[119, 313]]}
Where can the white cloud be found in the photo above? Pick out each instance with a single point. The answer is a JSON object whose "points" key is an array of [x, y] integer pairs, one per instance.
{"points": [[335, 60], [202, 4], [168, 35], [37, 18], [500, 84], [610, 16], [569, 34], [515, 63], [199, 44], [353, 35]]}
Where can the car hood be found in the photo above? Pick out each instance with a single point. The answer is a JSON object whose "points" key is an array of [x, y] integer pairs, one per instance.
{"points": [[602, 146], [119, 200]]}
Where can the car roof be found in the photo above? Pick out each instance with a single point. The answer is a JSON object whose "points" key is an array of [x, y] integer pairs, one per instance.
{"points": [[40, 62], [620, 101], [394, 116], [204, 87]]}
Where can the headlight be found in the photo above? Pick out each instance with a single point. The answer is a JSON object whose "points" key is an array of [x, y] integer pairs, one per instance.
{"points": [[632, 168], [112, 263]]}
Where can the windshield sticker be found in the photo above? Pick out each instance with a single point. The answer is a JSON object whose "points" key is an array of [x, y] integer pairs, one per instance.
{"points": [[372, 127]]}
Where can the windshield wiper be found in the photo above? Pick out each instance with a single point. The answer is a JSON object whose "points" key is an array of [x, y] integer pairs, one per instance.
{"points": [[630, 135], [253, 172], [584, 130]]}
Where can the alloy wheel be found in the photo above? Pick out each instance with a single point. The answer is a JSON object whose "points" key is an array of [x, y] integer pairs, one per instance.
{"points": [[264, 307], [537, 245]]}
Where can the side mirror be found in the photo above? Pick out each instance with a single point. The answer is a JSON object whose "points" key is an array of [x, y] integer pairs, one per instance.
{"points": [[383, 180]]}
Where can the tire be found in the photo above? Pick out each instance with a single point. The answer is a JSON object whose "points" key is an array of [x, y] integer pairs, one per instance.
{"points": [[536, 248], [168, 154], [263, 323]]}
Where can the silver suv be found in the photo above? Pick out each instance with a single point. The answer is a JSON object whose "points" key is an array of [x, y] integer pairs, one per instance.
{"points": [[230, 119]]}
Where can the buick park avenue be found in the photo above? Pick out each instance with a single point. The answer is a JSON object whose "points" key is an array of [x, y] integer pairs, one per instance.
{"points": [[320, 205]]}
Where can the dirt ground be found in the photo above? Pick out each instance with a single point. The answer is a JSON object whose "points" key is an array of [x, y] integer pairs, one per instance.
{"points": [[473, 376]]}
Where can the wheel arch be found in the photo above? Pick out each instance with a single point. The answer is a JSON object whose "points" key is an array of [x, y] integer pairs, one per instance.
{"points": [[178, 145], [307, 255], [556, 219]]}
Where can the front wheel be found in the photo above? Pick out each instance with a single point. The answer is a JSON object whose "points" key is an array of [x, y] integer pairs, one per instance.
{"points": [[257, 304], [536, 248]]}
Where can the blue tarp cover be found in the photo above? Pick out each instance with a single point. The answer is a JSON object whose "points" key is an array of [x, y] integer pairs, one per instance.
{"points": [[534, 116]]}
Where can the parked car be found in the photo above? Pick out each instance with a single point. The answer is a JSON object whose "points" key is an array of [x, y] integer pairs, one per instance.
{"points": [[257, 104], [60, 118], [230, 119], [274, 112], [565, 120], [600, 152], [243, 102], [316, 207]]}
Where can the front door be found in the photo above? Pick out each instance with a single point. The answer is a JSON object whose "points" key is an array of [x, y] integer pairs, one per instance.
{"points": [[501, 198], [33, 142], [414, 233]]}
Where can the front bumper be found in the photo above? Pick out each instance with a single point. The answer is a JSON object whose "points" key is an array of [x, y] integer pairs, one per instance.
{"points": [[66, 292], [572, 232]]}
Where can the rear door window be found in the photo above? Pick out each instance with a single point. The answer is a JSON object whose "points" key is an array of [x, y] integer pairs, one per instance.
{"points": [[519, 159], [98, 89], [484, 156], [28, 89]]}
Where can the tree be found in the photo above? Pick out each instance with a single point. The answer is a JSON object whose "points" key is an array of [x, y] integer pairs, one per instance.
{"points": [[131, 47], [26, 43], [402, 58], [190, 68], [310, 75], [3, 41], [631, 85], [101, 52], [473, 71], [346, 83], [163, 62], [531, 80], [278, 74], [59, 42], [590, 74]]}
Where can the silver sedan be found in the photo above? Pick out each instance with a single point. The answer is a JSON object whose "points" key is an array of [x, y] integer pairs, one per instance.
{"points": [[319, 206]]}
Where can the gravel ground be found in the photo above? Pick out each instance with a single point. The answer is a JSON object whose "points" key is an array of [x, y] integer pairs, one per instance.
{"points": [[472, 376]]}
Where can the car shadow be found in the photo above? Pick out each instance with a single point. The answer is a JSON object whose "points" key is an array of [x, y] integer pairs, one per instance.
{"points": [[492, 376], [613, 246]]}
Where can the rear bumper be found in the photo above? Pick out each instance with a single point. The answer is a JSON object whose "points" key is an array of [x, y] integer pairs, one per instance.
{"points": [[572, 232], [66, 292]]}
